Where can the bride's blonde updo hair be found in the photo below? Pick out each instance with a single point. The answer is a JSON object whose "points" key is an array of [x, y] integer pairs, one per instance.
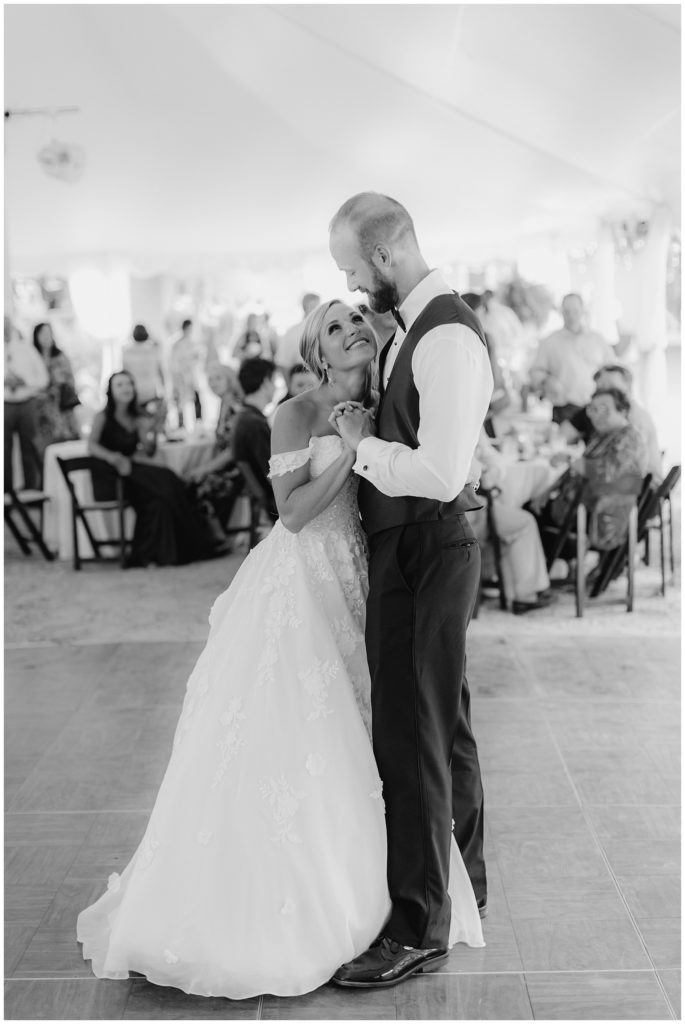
{"points": [[310, 347]]}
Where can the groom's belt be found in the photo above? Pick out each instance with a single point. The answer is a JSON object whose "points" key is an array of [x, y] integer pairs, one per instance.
{"points": [[379, 512]]}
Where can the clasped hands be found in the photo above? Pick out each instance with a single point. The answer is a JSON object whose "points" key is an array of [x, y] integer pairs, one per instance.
{"points": [[353, 422]]}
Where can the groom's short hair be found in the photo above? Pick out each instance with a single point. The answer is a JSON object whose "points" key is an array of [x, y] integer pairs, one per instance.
{"points": [[375, 219]]}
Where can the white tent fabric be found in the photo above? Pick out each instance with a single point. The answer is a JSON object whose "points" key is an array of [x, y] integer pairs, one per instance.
{"points": [[235, 131]]}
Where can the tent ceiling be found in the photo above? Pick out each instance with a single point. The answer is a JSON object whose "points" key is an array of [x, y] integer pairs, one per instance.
{"points": [[238, 129]]}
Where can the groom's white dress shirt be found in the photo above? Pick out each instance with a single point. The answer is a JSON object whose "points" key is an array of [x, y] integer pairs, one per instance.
{"points": [[453, 377]]}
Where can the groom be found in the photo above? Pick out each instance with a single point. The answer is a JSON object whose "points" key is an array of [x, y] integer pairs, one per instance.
{"points": [[415, 486]]}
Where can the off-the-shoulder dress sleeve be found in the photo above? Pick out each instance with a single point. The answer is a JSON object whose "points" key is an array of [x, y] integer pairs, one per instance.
{"points": [[286, 462]]}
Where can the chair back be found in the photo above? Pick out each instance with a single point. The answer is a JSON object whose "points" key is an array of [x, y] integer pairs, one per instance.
{"points": [[668, 483], [81, 463]]}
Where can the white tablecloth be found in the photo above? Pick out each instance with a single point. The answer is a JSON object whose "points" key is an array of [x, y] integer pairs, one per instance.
{"points": [[180, 456]]}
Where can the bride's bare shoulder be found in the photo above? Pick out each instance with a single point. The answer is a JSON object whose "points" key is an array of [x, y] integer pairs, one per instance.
{"points": [[293, 423]]}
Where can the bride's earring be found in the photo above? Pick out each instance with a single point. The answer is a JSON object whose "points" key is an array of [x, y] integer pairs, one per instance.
{"points": [[325, 373]]}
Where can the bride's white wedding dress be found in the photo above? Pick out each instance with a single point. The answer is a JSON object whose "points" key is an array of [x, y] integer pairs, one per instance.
{"points": [[263, 866]]}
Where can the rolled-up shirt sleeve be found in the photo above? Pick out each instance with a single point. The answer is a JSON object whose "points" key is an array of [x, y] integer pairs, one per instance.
{"points": [[453, 377]]}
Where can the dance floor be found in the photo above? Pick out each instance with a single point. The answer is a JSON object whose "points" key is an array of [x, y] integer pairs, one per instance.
{"points": [[578, 728]]}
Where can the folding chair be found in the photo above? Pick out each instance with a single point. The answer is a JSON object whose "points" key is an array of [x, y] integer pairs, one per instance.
{"points": [[253, 493], [18, 505], [555, 537], [654, 519], [612, 563], [80, 510]]}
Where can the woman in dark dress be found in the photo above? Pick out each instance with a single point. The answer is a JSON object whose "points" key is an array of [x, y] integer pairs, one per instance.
{"points": [[168, 530]]}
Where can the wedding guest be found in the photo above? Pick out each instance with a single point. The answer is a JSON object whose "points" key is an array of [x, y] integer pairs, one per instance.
{"points": [[299, 378], [142, 359], [288, 351], [525, 579], [566, 360], [55, 406], [183, 368], [613, 465], [26, 377], [168, 530], [251, 344], [217, 482], [251, 440], [268, 333], [503, 326], [615, 375]]}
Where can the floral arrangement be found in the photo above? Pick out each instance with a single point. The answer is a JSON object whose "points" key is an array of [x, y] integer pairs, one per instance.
{"points": [[532, 303]]}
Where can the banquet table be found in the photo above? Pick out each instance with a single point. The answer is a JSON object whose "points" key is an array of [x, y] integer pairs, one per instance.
{"points": [[180, 456]]}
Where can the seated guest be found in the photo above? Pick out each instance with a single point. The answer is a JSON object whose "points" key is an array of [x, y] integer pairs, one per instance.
{"points": [[617, 376], [25, 379], [525, 580], [217, 482], [613, 466], [300, 378], [251, 440], [55, 406], [168, 530]]}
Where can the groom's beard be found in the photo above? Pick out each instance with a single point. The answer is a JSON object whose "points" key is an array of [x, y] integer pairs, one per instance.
{"points": [[384, 296]]}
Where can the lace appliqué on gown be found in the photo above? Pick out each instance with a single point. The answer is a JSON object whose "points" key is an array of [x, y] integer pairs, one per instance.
{"points": [[287, 462], [284, 801]]}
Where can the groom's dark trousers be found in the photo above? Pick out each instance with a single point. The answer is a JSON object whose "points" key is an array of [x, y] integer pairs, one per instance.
{"points": [[424, 569], [423, 582]]}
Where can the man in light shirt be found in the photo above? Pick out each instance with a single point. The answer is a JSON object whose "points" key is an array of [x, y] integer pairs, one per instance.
{"points": [[142, 359], [415, 488], [566, 360], [183, 365], [25, 376]]}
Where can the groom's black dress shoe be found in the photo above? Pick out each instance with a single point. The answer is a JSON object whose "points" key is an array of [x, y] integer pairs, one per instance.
{"points": [[483, 906], [387, 963]]}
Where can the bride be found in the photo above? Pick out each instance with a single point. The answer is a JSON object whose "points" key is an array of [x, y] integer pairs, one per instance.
{"points": [[263, 866]]}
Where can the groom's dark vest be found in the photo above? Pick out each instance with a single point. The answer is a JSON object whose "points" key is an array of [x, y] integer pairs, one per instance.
{"points": [[398, 420]]}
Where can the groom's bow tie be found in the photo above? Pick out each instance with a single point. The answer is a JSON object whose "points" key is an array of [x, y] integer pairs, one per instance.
{"points": [[398, 319]]}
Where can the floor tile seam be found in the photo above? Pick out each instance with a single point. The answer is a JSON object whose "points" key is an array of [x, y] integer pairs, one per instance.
{"points": [[528, 996], [434, 974], [16, 814], [59, 887], [123, 810], [666, 996], [593, 832], [27, 944], [27, 645], [128, 995], [506, 901]]}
